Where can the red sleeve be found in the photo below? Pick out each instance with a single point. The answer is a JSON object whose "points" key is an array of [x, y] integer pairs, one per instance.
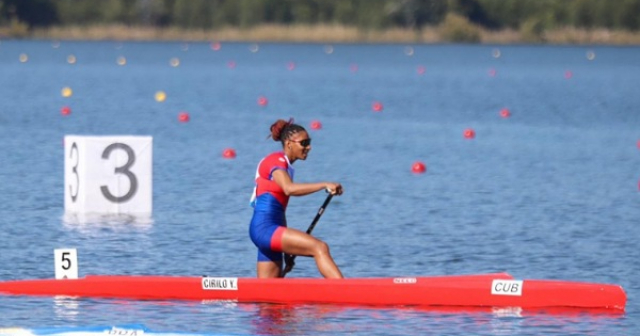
{"points": [[271, 163]]}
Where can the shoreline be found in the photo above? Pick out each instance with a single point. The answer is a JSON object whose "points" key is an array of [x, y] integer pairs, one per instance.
{"points": [[324, 34]]}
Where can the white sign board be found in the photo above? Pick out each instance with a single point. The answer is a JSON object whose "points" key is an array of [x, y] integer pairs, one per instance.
{"points": [[108, 174], [66, 263]]}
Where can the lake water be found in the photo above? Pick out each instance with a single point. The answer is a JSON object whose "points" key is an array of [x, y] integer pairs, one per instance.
{"points": [[549, 193]]}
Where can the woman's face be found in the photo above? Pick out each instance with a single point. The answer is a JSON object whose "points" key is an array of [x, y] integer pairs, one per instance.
{"points": [[299, 145]]}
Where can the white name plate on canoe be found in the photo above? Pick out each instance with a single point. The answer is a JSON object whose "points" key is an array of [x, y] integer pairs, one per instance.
{"points": [[210, 283], [507, 287], [108, 174]]}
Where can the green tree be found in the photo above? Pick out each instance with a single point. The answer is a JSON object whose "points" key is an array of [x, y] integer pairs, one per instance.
{"points": [[35, 13], [583, 14], [370, 14], [629, 17], [415, 14]]}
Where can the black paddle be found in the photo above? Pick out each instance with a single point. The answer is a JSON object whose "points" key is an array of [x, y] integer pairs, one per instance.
{"points": [[290, 262]]}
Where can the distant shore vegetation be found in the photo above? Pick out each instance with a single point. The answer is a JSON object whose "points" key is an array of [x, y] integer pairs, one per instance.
{"points": [[327, 21]]}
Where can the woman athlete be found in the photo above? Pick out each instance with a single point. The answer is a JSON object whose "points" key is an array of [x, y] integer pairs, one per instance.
{"points": [[274, 185]]}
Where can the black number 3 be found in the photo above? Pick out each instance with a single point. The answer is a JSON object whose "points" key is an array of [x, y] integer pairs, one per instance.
{"points": [[121, 170], [74, 170]]}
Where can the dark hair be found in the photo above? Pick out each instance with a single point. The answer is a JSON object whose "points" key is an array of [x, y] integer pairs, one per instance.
{"points": [[282, 130]]}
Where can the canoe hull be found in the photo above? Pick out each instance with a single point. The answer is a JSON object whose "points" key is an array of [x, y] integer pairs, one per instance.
{"points": [[483, 290]]}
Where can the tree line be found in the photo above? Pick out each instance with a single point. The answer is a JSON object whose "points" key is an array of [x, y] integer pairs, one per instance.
{"points": [[363, 14]]}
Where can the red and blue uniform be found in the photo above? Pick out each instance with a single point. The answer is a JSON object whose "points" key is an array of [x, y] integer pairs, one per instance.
{"points": [[269, 205]]}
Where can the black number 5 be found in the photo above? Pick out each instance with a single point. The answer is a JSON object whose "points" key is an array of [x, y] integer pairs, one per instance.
{"points": [[65, 259], [133, 181]]}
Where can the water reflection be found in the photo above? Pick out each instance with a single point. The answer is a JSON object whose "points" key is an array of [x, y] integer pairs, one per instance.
{"points": [[299, 319], [87, 222], [280, 319], [66, 308]]}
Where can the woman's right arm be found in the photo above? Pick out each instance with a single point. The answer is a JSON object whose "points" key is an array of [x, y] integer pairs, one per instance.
{"points": [[291, 188]]}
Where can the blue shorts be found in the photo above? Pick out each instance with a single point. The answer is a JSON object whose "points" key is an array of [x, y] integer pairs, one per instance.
{"points": [[267, 226]]}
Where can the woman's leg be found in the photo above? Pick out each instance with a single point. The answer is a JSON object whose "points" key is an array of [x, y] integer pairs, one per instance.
{"points": [[299, 243], [269, 269]]}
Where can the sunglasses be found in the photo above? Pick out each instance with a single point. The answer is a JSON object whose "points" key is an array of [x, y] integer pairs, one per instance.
{"points": [[304, 143]]}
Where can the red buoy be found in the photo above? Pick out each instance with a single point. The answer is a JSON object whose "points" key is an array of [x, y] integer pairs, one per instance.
{"points": [[418, 167], [65, 110], [231, 64], [183, 117], [469, 133], [353, 68], [505, 113], [568, 74], [215, 46], [421, 70], [377, 106], [316, 125], [263, 101], [229, 153], [291, 66], [492, 72]]}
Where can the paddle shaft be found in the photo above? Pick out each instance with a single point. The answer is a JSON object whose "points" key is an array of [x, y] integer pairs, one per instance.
{"points": [[313, 225], [319, 214]]}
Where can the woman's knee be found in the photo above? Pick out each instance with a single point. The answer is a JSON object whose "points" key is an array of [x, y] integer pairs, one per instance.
{"points": [[321, 248]]}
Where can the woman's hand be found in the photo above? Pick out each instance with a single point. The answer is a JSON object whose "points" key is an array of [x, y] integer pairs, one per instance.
{"points": [[334, 188]]}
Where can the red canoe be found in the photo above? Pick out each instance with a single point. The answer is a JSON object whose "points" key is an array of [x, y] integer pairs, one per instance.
{"points": [[481, 290]]}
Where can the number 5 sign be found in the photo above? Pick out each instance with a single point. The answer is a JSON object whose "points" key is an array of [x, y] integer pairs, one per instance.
{"points": [[108, 174], [66, 263]]}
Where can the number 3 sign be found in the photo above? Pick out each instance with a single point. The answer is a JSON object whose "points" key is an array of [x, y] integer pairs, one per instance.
{"points": [[108, 174]]}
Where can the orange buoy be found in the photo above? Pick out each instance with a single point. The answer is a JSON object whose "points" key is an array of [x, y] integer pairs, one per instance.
{"points": [[505, 113], [316, 125], [215, 46], [377, 106], [418, 167], [263, 101], [421, 70], [469, 133], [229, 153], [65, 110], [183, 117]]}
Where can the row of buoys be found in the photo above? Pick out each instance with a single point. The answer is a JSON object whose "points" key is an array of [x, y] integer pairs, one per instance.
{"points": [[376, 106], [175, 62], [328, 49]]}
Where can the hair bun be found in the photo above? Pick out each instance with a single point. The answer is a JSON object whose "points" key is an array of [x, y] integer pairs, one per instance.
{"points": [[277, 128]]}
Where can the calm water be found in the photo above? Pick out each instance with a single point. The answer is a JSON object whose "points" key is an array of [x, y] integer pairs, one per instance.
{"points": [[551, 192]]}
